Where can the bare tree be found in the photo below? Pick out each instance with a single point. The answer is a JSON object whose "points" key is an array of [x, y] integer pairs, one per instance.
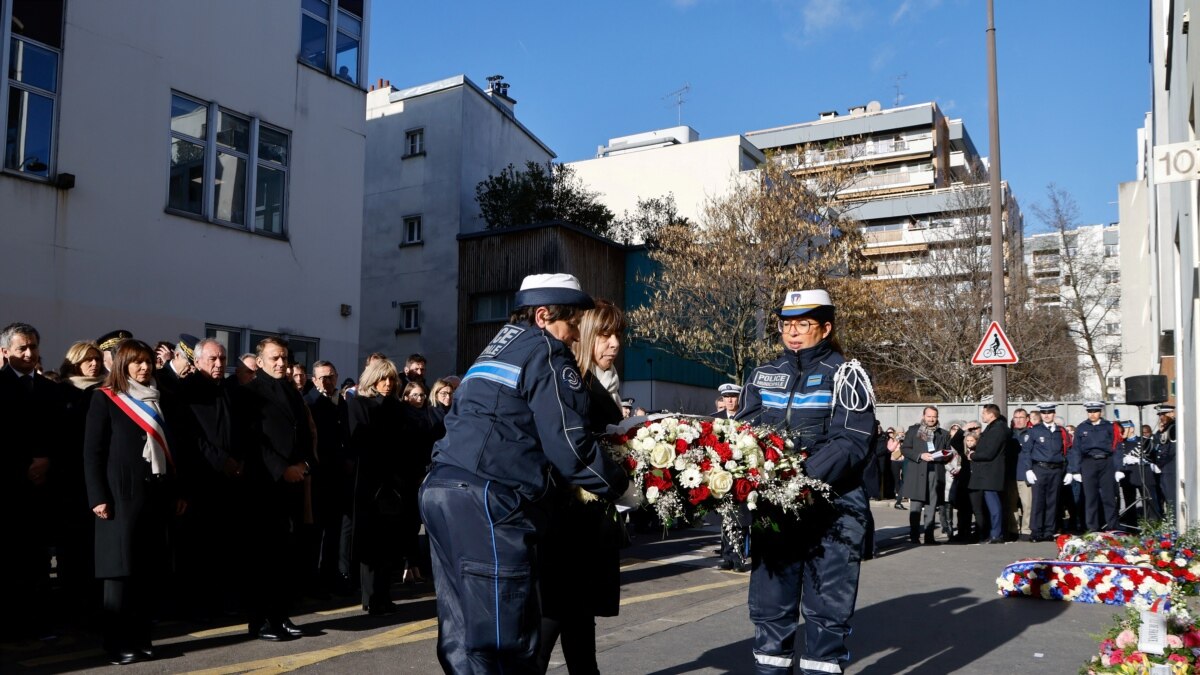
{"points": [[718, 281], [1083, 289]]}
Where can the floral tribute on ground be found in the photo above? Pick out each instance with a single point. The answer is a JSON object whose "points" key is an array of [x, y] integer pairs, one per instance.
{"points": [[1119, 653], [686, 466], [1110, 584]]}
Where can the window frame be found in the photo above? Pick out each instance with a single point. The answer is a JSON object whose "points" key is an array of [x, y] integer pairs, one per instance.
{"points": [[212, 148], [509, 301], [246, 343], [332, 30], [404, 308], [7, 84], [405, 222], [409, 134]]}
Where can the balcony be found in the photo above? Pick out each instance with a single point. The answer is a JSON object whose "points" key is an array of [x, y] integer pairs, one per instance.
{"points": [[870, 151], [889, 182]]}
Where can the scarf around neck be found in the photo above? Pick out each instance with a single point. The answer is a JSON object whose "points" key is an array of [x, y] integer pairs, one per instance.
{"points": [[81, 382], [610, 381], [155, 451]]}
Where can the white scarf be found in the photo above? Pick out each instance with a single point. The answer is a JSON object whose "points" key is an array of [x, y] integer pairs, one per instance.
{"points": [[610, 381], [153, 452]]}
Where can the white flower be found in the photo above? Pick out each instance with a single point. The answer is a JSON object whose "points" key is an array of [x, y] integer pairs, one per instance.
{"points": [[720, 482], [737, 453], [747, 441], [690, 477], [752, 500], [752, 459], [643, 432], [662, 456], [656, 429], [731, 465], [768, 466], [648, 444], [680, 464], [652, 494]]}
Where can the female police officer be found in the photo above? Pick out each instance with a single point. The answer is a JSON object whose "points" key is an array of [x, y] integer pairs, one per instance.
{"points": [[520, 411], [826, 405]]}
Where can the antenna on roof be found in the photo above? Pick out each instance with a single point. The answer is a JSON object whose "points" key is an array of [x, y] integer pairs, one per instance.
{"points": [[899, 94], [679, 101]]}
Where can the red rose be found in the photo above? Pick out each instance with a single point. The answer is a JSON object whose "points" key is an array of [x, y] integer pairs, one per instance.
{"points": [[681, 446], [776, 441], [741, 489], [629, 463], [723, 451], [706, 465], [697, 495], [772, 455], [659, 478], [708, 440], [705, 428]]}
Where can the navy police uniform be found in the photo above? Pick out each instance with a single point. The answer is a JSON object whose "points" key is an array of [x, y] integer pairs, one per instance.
{"points": [[1048, 453], [1163, 447], [1099, 460], [520, 412], [810, 566]]}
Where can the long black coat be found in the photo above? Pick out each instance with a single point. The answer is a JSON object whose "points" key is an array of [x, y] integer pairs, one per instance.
{"points": [[280, 436], [132, 542], [32, 421], [916, 470], [333, 476], [580, 552], [380, 499], [988, 461], [215, 431]]}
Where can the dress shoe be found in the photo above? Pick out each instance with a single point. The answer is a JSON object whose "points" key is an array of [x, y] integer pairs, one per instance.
{"points": [[148, 652], [291, 628], [382, 608], [723, 565], [271, 633], [125, 658], [996, 540], [899, 507], [930, 541]]}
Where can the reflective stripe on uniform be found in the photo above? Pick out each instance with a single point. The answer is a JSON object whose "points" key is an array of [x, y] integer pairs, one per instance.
{"points": [[495, 371], [778, 661], [773, 399], [820, 666], [816, 399]]}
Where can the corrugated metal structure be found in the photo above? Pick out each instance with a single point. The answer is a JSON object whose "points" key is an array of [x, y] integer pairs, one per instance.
{"points": [[492, 263]]}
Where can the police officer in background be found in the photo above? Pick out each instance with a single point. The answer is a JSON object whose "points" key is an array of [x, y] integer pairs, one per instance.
{"points": [[1047, 460], [520, 413], [1163, 446], [827, 407], [729, 399], [1097, 441]]}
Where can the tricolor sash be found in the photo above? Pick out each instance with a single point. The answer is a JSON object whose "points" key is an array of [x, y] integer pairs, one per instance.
{"points": [[145, 417]]}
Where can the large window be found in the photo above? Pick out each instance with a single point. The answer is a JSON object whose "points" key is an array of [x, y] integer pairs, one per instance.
{"points": [[333, 27], [491, 307], [238, 341], [223, 164], [32, 55]]}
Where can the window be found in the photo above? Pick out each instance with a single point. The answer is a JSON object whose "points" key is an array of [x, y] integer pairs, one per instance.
{"points": [[332, 26], [1112, 302], [1111, 328], [1112, 250], [410, 317], [223, 163], [1114, 382], [1114, 355], [1112, 276], [492, 307], [231, 338], [412, 230], [414, 142], [238, 341], [31, 53]]}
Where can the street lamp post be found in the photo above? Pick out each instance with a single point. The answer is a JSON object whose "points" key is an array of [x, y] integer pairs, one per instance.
{"points": [[999, 373]]}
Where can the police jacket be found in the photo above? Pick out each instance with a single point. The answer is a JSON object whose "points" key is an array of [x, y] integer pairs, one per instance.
{"points": [[1098, 441], [521, 409], [1164, 446], [795, 393], [1040, 444]]}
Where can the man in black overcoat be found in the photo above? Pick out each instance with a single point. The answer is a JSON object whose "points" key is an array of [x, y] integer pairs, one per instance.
{"points": [[333, 478], [989, 470], [277, 462]]}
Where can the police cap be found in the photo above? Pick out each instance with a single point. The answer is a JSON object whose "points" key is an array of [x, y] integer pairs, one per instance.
{"points": [[552, 289], [109, 341], [187, 345], [1093, 405], [800, 303], [729, 389], [1046, 407], [1164, 408]]}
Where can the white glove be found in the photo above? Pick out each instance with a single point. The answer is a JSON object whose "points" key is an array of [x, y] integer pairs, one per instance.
{"points": [[1067, 478], [1120, 476], [1130, 460], [1155, 468], [1078, 478], [1030, 477], [631, 499]]}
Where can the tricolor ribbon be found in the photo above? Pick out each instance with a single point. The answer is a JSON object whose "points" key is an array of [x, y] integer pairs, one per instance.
{"points": [[145, 417]]}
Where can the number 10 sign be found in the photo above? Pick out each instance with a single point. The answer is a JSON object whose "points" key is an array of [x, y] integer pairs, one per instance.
{"points": [[1176, 162]]}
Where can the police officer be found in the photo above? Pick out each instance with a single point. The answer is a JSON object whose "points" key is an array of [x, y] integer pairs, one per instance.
{"points": [[729, 393], [1097, 442], [520, 413], [827, 406], [1163, 447], [1047, 460], [1136, 477]]}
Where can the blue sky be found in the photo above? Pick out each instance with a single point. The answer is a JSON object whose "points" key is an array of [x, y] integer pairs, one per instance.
{"points": [[1074, 75]]}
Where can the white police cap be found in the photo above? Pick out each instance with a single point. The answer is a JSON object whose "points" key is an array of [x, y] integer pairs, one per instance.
{"points": [[552, 289], [729, 389], [799, 303], [1046, 407], [1164, 408], [1093, 405]]}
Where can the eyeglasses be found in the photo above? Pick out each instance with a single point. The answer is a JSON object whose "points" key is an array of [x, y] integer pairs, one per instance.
{"points": [[417, 396], [799, 326]]}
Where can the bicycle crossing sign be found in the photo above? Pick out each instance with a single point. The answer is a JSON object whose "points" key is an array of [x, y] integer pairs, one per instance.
{"points": [[994, 349]]}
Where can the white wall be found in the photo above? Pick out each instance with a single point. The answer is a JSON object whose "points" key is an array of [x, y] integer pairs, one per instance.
{"points": [[105, 255], [1139, 333]]}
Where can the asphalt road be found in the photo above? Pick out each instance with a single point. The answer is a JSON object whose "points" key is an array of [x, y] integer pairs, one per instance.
{"points": [[921, 609]]}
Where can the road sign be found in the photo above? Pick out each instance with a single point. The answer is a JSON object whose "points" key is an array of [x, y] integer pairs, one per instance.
{"points": [[994, 349], [1176, 162]]}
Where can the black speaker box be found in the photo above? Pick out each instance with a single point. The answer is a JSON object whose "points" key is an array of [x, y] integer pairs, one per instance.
{"points": [[1146, 389]]}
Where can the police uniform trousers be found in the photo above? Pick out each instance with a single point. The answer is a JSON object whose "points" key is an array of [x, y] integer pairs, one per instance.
{"points": [[1166, 488], [808, 567], [1099, 492], [482, 538], [1043, 520]]}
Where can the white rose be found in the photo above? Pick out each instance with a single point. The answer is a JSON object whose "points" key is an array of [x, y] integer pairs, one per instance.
{"points": [[652, 494], [680, 464], [643, 432], [648, 444], [731, 465], [747, 441], [737, 453], [662, 456], [719, 482]]}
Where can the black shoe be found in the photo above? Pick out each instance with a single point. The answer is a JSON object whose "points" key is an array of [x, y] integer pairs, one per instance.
{"points": [[148, 652], [271, 632], [291, 628], [996, 540], [380, 609], [723, 565], [126, 658], [930, 541], [899, 507]]}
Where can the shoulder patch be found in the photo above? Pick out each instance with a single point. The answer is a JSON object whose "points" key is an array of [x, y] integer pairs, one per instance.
{"points": [[502, 340], [771, 380], [814, 380], [571, 378]]}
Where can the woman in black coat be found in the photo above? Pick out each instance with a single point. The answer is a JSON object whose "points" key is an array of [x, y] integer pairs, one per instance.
{"points": [[987, 471], [128, 471], [376, 427], [423, 426], [580, 553]]}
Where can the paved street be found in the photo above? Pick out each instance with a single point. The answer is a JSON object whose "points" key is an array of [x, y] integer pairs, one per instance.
{"points": [[927, 609]]}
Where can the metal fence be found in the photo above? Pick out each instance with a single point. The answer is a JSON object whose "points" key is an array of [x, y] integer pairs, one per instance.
{"points": [[904, 415]]}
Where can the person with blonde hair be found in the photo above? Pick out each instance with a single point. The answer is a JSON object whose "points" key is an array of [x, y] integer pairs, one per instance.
{"points": [[441, 396], [82, 371]]}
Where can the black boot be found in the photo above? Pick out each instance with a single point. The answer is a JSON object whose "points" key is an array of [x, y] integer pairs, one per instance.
{"points": [[914, 527]]}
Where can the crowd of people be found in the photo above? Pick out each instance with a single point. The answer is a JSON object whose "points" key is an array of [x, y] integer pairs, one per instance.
{"points": [[155, 484], [994, 481]]}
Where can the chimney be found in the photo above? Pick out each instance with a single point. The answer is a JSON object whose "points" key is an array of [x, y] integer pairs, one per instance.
{"points": [[497, 90], [381, 84], [827, 115]]}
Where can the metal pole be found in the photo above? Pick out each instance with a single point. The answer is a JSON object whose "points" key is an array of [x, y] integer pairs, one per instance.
{"points": [[999, 373]]}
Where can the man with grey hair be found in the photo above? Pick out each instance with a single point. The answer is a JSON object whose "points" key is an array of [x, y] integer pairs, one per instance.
{"points": [[332, 481], [31, 416]]}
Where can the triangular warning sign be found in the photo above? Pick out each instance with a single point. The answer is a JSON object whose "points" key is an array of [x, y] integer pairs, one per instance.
{"points": [[994, 349]]}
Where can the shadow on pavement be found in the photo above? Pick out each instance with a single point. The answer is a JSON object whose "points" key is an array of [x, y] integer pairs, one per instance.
{"points": [[731, 658]]}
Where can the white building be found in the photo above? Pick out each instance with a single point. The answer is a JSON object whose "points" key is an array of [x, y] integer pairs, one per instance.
{"points": [[1093, 253], [178, 166], [671, 161], [427, 148]]}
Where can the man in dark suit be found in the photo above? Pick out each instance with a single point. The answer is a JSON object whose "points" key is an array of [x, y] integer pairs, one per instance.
{"points": [[277, 463], [179, 365], [30, 414], [333, 478], [926, 446], [988, 470]]}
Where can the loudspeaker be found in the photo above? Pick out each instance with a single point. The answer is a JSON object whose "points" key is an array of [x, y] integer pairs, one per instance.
{"points": [[1146, 389]]}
